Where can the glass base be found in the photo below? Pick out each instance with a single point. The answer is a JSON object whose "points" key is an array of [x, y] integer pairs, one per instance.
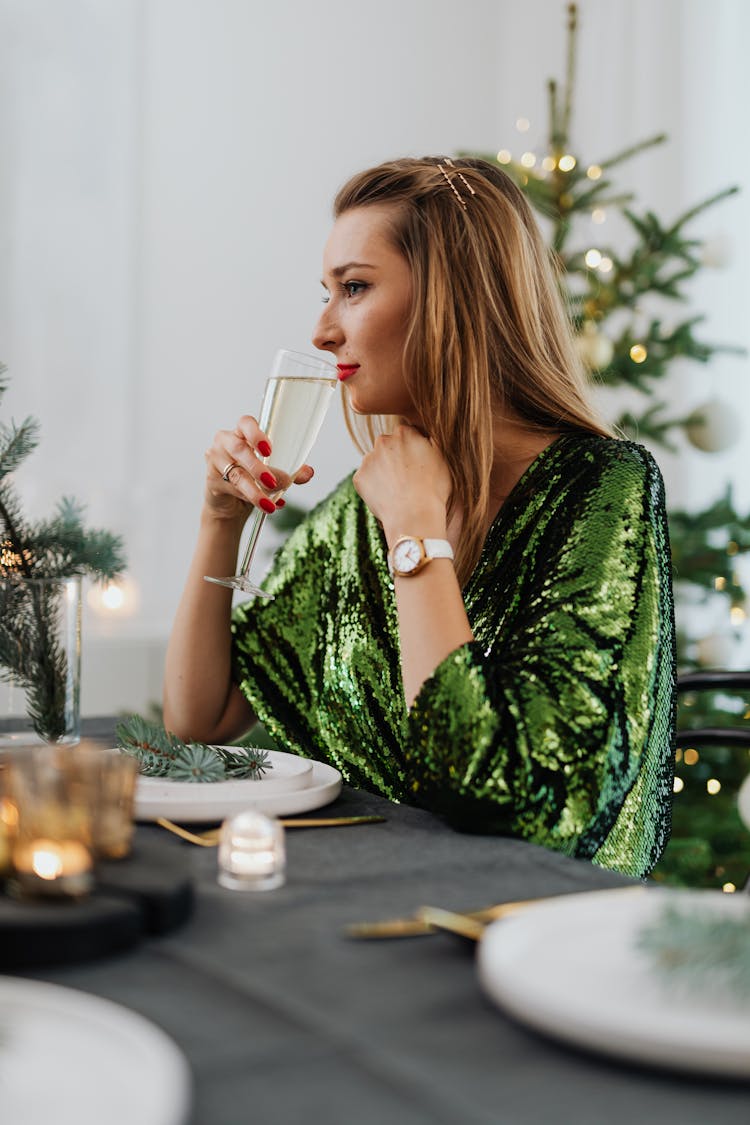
{"points": [[239, 582]]}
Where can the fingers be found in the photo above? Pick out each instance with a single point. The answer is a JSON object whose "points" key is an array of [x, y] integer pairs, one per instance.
{"points": [[236, 468]]}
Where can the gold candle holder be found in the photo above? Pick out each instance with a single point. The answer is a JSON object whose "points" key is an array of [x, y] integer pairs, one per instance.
{"points": [[66, 807]]}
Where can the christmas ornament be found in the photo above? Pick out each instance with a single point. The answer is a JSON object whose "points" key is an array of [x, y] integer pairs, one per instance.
{"points": [[594, 347], [715, 650], [713, 427], [743, 802]]}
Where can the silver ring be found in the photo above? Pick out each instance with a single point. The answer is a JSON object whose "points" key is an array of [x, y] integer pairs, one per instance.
{"points": [[227, 471]]}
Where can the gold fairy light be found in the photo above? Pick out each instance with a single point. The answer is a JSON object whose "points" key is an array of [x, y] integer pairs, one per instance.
{"points": [[549, 164], [678, 785], [10, 560], [691, 757], [528, 159], [567, 163], [638, 353], [732, 547], [594, 172], [713, 786], [504, 156], [593, 258], [737, 615], [523, 124], [599, 215], [728, 888], [606, 265], [720, 582]]}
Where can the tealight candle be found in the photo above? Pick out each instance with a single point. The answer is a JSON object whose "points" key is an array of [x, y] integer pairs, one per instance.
{"points": [[252, 856], [52, 868]]}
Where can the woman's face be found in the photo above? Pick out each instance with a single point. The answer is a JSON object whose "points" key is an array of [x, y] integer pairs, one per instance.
{"points": [[368, 301]]}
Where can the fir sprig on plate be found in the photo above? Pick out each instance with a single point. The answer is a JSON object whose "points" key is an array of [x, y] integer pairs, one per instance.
{"points": [[703, 950], [162, 754]]}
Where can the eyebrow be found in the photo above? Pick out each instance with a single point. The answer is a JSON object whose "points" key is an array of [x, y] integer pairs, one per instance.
{"points": [[337, 271]]}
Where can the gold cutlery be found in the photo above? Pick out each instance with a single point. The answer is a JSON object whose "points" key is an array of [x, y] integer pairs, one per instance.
{"points": [[430, 919], [469, 924], [210, 838]]}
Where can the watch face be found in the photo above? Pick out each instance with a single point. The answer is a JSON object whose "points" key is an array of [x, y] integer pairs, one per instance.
{"points": [[407, 556]]}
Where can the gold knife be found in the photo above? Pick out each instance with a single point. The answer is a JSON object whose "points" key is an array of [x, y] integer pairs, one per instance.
{"points": [[210, 838], [429, 919]]}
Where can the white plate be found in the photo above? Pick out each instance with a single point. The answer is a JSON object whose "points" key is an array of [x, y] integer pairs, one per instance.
{"points": [[74, 1059], [193, 802], [570, 968]]}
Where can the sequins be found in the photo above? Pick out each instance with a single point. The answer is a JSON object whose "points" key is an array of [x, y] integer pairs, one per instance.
{"points": [[555, 723]]}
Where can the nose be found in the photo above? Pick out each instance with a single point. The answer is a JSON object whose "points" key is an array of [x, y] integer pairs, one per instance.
{"points": [[327, 335]]}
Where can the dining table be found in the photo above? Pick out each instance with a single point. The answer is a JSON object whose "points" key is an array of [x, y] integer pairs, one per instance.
{"points": [[284, 1017]]}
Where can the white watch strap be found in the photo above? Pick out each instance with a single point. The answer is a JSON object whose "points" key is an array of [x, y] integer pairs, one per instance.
{"points": [[437, 549]]}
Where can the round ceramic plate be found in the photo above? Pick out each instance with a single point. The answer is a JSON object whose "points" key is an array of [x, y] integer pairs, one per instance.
{"points": [[315, 784], [570, 967], [74, 1059]]}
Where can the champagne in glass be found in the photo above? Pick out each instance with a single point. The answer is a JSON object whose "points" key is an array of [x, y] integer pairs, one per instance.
{"points": [[297, 395]]}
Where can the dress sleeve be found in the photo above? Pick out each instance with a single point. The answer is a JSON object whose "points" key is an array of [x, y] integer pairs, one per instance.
{"points": [[543, 729]]}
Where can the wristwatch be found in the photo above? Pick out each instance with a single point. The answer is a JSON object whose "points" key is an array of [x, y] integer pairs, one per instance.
{"points": [[409, 555]]}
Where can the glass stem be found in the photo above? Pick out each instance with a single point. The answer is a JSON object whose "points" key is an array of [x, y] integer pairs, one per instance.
{"points": [[259, 518]]}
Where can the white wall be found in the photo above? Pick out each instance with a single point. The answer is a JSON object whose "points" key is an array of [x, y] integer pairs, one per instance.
{"points": [[167, 171]]}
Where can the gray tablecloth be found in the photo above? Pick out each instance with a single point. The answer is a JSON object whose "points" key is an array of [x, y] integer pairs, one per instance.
{"points": [[283, 1019]]}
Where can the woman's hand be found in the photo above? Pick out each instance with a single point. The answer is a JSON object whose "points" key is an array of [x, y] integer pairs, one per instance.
{"points": [[237, 478], [406, 484]]}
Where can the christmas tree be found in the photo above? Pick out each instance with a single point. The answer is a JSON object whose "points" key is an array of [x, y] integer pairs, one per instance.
{"points": [[608, 292]]}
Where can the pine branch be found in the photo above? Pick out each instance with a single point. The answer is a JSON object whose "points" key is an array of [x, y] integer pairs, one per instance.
{"points": [[162, 754]]}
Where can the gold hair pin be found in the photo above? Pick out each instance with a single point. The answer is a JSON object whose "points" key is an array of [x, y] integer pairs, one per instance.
{"points": [[450, 183]]}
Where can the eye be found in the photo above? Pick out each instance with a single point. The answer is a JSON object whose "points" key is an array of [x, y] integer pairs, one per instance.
{"points": [[354, 288]]}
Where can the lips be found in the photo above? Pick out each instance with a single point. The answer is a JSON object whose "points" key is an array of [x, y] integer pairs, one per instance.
{"points": [[346, 370]]}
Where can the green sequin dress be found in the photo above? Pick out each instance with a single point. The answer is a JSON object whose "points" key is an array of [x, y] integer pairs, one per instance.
{"points": [[555, 724]]}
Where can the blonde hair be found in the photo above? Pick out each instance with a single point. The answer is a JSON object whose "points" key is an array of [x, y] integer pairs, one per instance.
{"points": [[488, 330]]}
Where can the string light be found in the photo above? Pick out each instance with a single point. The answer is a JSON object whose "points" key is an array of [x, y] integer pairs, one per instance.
{"points": [[114, 599], [599, 215], [720, 582], [678, 785], [567, 163], [504, 156], [638, 353], [523, 124], [606, 265], [549, 163], [713, 786], [594, 172], [528, 160], [690, 757], [728, 888], [737, 615], [593, 258], [732, 547]]}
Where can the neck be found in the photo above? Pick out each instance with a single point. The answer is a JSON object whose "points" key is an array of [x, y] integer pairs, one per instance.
{"points": [[516, 447]]}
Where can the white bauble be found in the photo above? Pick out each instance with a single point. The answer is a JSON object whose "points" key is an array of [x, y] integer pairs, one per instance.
{"points": [[743, 802], [595, 349], [715, 650], [713, 427]]}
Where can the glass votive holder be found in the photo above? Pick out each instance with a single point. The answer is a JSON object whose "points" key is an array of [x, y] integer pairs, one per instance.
{"points": [[252, 855], [106, 780], [50, 844], [8, 823]]}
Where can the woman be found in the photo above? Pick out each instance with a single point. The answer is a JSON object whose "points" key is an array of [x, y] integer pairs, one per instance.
{"points": [[519, 678]]}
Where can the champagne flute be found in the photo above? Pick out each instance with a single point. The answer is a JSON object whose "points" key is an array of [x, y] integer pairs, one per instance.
{"points": [[298, 393]]}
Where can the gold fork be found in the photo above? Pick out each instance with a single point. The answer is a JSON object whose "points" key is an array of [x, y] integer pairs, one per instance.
{"points": [[210, 838], [471, 924]]}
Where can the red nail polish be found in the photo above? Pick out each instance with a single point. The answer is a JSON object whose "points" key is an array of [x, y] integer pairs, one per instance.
{"points": [[264, 449], [266, 504], [269, 480], [280, 502]]}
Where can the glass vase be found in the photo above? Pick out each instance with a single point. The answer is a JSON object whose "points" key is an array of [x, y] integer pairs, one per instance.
{"points": [[40, 661]]}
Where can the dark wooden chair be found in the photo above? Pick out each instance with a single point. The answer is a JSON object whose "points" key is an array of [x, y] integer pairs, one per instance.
{"points": [[714, 680]]}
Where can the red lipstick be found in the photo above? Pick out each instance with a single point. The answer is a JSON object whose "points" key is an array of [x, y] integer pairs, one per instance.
{"points": [[346, 370]]}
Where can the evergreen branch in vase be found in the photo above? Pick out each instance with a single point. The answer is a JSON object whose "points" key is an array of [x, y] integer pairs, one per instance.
{"points": [[31, 656]]}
